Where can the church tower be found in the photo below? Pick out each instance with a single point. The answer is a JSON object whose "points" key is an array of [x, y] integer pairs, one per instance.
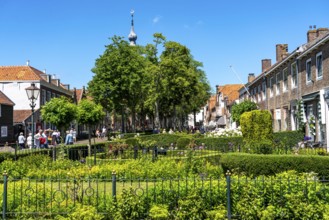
{"points": [[132, 35]]}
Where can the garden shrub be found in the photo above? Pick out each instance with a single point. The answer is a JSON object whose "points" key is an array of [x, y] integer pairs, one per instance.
{"points": [[191, 207], [6, 155], [255, 165], [222, 144], [256, 125], [288, 139], [261, 147], [159, 212], [162, 140], [132, 142], [183, 142]]}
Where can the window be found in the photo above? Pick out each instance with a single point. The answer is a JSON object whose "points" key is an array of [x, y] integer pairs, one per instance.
{"points": [[294, 75], [285, 80], [264, 90], [259, 96], [278, 84], [319, 69], [43, 97], [0, 111], [271, 86], [48, 95], [308, 71], [4, 131]]}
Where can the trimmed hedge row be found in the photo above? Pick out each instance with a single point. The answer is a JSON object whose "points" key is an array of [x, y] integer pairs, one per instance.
{"points": [[288, 138], [254, 164]]}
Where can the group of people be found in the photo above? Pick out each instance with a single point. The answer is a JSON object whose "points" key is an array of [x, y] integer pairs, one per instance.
{"points": [[101, 134], [71, 136], [42, 139]]}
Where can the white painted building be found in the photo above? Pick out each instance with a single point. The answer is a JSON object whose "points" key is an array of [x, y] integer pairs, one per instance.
{"points": [[13, 82]]}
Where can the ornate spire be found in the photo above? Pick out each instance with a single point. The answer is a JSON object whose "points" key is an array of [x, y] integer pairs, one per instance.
{"points": [[132, 35]]}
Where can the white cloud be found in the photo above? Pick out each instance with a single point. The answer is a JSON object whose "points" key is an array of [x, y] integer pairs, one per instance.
{"points": [[156, 19]]}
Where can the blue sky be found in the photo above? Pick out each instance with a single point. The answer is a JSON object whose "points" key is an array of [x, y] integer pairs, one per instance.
{"points": [[66, 36]]}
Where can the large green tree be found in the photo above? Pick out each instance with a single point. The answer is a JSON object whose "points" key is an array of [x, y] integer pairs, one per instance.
{"points": [[201, 94], [149, 80], [180, 76], [60, 112], [119, 73], [89, 113], [239, 109], [153, 68]]}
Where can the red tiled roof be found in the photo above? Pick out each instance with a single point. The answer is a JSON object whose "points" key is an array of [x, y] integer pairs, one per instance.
{"points": [[212, 102], [19, 73], [21, 115], [79, 93], [4, 100], [231, 91]]}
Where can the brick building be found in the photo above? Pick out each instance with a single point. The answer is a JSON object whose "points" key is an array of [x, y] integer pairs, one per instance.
{"points": [[300, 76]]}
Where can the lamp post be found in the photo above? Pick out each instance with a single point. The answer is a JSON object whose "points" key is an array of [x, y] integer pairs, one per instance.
{"points": [[32, 94]]}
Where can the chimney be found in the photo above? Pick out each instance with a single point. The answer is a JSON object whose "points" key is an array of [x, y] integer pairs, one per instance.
{"points": [[311, 35], [49, 78], [266, 64], [45, 71], [321, 32], [67, 86], [281, 52], [58, 83], [28, 63], [251, 77], [217, 88]]}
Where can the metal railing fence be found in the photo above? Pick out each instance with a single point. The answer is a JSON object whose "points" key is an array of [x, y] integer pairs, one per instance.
{"points": [[48, 197]]}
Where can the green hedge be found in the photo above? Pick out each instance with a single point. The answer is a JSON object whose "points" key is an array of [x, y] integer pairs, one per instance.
{"points": [[223, 144], [255, 165], [256, 125], [161, 140], [288, 138], [183, 142]]}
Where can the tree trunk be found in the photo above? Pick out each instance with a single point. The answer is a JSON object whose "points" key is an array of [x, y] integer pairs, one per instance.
{"points": [[157, 118], [194, 118], [63, 135], [89, 140], [174, 118], [133, 118], [122, 120]]}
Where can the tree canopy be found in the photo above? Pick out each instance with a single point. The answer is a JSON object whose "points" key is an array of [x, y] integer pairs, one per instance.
{"points": [[239, 109], [59, 111], [89, 113], [145, 81]]}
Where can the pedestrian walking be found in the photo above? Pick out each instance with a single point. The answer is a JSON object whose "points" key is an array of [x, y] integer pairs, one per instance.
{"points": [[21, 140], [29, 141]]}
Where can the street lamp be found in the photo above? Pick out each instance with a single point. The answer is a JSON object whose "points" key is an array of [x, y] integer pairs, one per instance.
{"points": [[32, 94]]}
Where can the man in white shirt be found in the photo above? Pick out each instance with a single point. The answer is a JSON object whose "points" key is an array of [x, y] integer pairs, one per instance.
{"points": [[21, 141], [103, 132]]}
